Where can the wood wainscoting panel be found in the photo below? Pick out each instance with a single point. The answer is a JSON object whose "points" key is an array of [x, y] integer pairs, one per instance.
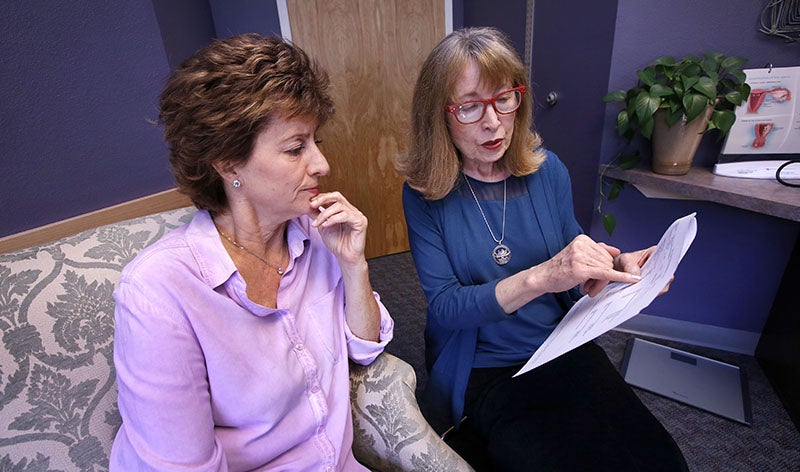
{"points": [[162, 201], [373, 51]]}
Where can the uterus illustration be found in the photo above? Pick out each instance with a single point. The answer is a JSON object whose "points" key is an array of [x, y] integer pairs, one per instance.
{"points": [[762, 130], [757, 97]]}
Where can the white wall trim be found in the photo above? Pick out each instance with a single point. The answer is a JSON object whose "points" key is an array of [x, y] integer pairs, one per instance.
{"points": [[283, 18], [528, 59], [726, 339], [448, 17]]}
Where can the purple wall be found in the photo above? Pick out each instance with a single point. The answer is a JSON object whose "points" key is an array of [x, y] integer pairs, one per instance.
{"points": [[80, 84], [730, 275]]}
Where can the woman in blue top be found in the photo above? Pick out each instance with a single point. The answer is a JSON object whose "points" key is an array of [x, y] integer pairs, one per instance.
{"points": [[501, 259]]}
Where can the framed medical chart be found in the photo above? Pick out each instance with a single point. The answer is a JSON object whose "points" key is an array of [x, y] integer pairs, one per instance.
{"points": [[767, 128]]}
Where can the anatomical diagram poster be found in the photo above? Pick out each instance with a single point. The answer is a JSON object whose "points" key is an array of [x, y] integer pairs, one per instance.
{"points": [[769, 121]]}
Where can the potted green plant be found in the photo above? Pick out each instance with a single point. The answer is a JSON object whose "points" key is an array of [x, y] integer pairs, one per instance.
{"points": [[674, 103]]}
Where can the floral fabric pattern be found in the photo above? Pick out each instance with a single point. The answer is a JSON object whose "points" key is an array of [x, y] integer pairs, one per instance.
{"points": [[58, 410], [389, 431]]}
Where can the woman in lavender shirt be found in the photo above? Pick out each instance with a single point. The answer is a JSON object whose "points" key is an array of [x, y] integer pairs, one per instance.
{"points": [[233, 332]]}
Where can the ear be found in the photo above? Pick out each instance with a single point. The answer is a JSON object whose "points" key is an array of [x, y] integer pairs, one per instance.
{"points": [[227, 170]]}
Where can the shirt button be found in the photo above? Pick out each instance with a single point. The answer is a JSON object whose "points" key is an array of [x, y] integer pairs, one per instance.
{"points": [[314, 388], [298, 347], [329, 468]]}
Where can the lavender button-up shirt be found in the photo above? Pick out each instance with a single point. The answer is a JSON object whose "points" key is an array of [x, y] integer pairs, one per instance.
{"points": [[210, 381]]}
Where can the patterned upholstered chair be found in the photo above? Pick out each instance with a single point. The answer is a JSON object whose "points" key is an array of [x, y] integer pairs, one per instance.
{"points": [[58, 410]]}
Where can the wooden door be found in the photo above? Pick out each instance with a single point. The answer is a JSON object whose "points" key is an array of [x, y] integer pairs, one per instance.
{"points": [[372, 50]]}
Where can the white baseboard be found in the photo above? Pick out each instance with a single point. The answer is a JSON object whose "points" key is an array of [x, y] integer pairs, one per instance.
{"points": [[726, 339]]}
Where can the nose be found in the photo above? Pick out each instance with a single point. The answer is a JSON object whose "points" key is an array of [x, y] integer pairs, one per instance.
{"points": [[318, 165], [490, 117]]}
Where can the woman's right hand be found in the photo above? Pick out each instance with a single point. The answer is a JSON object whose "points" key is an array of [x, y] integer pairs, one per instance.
{"points": [[584, 262]]}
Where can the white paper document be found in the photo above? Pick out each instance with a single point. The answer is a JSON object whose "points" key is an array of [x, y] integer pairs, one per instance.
{"points": [[592, 316]]}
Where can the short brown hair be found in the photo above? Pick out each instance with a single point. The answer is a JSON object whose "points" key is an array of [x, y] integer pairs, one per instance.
{"points": [[215, 104], [433, 163]]}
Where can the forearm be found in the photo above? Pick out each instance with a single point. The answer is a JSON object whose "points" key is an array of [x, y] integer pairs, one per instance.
{"points": [[518, 290], [361, 309]]}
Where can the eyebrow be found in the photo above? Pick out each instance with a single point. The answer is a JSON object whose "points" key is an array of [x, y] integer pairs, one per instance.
{"points": [[473, 95], [300, 136]]}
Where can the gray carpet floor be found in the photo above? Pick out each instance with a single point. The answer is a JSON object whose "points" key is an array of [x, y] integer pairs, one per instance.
{"points": [[709, 442]]}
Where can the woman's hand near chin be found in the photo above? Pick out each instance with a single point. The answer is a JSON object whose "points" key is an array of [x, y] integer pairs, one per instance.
{"points": [[342, 226]]}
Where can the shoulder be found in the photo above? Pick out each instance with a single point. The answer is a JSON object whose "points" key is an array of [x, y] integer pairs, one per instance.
{"points": [[415, 203], [172, 246], [192, 250], [552, 170], [553, 165], [413, 199]]}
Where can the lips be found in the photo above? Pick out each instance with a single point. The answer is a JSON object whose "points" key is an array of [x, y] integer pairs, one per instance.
{"points": [[493, 144]]}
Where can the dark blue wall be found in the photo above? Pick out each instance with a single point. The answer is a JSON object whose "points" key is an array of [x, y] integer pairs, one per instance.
{"points": [[186, 25], [572, 58], [80, 84], [508, 16], [245, 16]]}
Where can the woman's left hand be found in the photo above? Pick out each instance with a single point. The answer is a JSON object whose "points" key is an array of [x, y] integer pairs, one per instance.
{"points": [[342, 226], [632, 263]]}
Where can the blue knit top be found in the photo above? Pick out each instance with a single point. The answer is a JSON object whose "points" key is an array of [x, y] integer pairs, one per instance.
{"points": [[452, 250]]}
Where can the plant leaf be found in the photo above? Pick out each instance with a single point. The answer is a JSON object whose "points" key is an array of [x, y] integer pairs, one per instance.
{"points": [[629, 160], [694, 103], [646, 105], [673, 116], [689, 82], [664, 61], [734, 97], [613, 192], [616, 96], [647, 75], [658, 90], [707, 87], [623, 122], [609, 223], [723, 120], [739, 75], [646, 128], [732, 63], [692, 70]]}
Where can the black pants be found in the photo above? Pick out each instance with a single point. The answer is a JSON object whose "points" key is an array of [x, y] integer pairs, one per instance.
{"points": [[574, 413]]}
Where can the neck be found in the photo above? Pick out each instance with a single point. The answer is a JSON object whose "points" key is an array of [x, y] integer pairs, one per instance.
{"points": [[265, 240], [488, 172]]}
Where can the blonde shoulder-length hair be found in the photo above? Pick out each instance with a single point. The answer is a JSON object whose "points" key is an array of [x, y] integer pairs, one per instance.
{"points": [[432, 164]]}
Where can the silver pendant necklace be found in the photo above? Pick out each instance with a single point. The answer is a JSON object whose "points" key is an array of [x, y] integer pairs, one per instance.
{"points": [[501, 253], [278, 268]]}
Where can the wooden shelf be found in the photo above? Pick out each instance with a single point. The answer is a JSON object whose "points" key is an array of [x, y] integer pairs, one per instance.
{"points": [[760, 195]]}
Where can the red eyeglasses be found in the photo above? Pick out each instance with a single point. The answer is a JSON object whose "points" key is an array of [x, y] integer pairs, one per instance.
{"points": [[472, 111]]}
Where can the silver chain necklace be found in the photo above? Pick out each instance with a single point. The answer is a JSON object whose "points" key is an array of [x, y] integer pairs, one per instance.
{"points": [[501, 253], [278, 268]]}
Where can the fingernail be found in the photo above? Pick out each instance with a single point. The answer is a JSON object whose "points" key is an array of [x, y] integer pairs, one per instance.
{"points": [[637, 277]]}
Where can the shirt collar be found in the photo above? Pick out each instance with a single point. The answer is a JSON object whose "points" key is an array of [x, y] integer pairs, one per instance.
{"points": [[216, 265]]}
